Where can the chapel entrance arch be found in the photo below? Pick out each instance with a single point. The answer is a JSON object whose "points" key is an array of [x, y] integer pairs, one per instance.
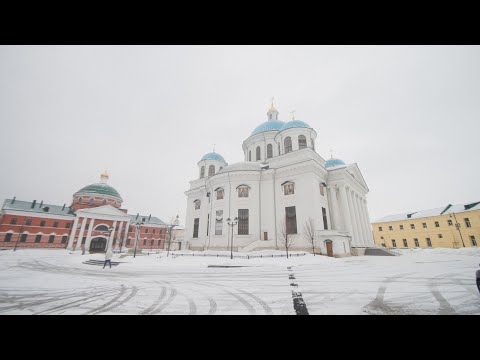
{"points": [[98, 244]]}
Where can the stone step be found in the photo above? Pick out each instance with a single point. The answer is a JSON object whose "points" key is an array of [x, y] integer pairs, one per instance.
{"points": [[379, 252]]}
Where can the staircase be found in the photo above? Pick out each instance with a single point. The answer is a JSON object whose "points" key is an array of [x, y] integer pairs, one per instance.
{"points": [[99, 262], [379, 252]]}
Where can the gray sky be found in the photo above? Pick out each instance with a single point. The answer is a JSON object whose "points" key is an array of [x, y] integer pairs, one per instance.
{"points": [[408, 115]]}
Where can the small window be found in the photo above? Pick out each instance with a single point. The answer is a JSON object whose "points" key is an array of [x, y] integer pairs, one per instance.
{"points": [[128, 242], [302, 142], [151, 242], [153, 231], [405, 243], [64, 239], [269, 151], [218, 222], [23, 238], [159, 242], [291, 220], [289, 188], [322, 189], [38, 238], [8, 237], [288, 144], [197, 204], [51, 239], [472, 239], [42, 223], [450, 223], [220, 193], [130, 229], [467, 222], [104, 202], [243, 222], [412, 226], [211, 170], [196, 222], [146, 231], [28, 222], [257, 153], [416, 242], [437, 224], [250, 155], [394, 243], [429, 243], [390, 228], [324, 216], [425, 225], [440, 236], [144, 242], [380, 228], [90, 201], [13, 221], [202, 172], [243, 191], [401, 227], [67, 225], [55, 224]]}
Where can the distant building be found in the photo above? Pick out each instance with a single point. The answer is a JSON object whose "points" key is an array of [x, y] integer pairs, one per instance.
{"points": [[84, 224], [282, 187], [451, 226]]}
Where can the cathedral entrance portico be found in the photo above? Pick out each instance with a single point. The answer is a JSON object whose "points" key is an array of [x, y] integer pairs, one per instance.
{"points": [[98, 244]]}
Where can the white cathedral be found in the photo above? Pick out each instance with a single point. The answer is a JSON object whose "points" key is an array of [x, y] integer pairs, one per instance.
{"points": [[282, 184]]}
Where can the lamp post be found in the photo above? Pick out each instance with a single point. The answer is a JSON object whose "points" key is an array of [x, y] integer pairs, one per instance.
{"points": [[457, 226], [138, 225], [232, 224]]}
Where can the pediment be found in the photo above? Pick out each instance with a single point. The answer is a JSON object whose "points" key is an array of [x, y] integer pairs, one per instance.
{"points": [[354, 171], [102, 210]]}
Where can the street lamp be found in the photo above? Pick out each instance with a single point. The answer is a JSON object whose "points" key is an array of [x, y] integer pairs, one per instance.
{"points": [[232, 224], [138, 225], [457, 226]]}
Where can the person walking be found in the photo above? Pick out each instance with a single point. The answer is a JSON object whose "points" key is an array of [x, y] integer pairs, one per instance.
{"points": [[108, 258]]}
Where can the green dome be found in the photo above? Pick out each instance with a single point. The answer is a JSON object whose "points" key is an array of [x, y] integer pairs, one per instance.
{"points": [[99, 189]]}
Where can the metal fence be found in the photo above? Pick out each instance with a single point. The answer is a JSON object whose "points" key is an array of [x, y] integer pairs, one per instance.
{"points": [[240, 256]]}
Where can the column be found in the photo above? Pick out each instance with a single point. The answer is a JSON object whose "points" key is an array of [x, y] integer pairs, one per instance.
{"points": [[333, 218], [353, 217], [110, 240], [370, 241], [72, 235], [127, 226], [80, 235], [119, 235], [361, 220], [89, 235], [347, 219], [336, 211]]}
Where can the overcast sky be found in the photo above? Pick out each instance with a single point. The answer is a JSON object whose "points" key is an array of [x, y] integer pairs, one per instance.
{"points": [[409, 116]]}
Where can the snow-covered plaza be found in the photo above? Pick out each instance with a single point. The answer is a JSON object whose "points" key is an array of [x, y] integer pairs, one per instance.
{"points": [[419, 281]]}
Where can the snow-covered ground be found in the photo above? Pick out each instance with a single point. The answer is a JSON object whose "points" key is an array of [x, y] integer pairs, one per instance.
{"points": [[420, 281]]}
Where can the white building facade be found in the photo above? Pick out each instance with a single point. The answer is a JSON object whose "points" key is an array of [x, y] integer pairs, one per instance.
{"points": [[282, 186]]}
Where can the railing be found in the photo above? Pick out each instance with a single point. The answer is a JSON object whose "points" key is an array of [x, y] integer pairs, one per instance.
{"points": [[241, 256]]}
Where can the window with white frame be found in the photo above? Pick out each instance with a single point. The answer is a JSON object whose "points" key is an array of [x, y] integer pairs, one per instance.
{"points": [[197, 203], [467, 222], [302, 142], [243, 191], [269, 151], [288, 144], [289, 188], [220, 193], [472, 239], [218, 222]]}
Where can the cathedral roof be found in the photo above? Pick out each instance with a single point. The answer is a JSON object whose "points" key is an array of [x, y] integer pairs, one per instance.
{"points": [[98, 189], [334, 162], [295, 124], [271, 125], [213, 156], [241, 166]]}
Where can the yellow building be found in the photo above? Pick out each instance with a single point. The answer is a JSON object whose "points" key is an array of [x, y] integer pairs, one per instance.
{"points": [[452, 226]]}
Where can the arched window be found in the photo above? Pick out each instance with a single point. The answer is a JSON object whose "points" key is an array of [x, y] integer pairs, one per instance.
{"points": [[279, 149], [250, 155], [90, 200], [269, 151], [104, 202], [202, 172], [211, 170], [220, 193], [101, 228], [258, 153], [243, 191], [313, 144], [197, 204], [302, 142], [80, 199], [288, 144]]}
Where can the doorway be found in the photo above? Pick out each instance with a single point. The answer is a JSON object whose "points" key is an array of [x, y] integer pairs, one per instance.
{"points": [[329, 246], [98, 244]]}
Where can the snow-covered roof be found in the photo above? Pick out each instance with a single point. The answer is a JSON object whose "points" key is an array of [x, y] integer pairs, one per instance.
{"points": [[39, 207], [448, 209], [241, 166]]}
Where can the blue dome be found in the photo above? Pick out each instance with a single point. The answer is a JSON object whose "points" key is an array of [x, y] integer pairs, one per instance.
{"points": [[334, 162], [271, 125], [213, 156], [295, 124]]}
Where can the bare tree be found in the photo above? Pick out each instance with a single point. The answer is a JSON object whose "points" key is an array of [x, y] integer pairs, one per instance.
{"points": [[285, 239], [309, 233]]}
